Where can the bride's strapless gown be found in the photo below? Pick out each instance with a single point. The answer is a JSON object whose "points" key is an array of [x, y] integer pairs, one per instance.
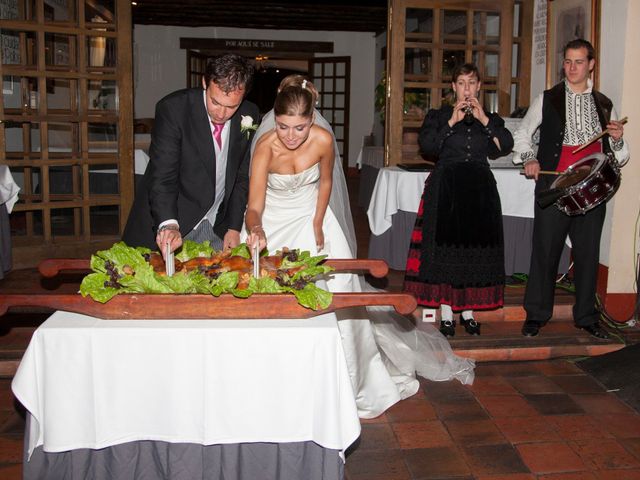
{"points": [[383, 350]]}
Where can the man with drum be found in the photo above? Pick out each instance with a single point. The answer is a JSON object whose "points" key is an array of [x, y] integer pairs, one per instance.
{"points": [[569, 115]]}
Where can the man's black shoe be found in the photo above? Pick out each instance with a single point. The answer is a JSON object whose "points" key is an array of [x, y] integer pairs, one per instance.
{"points": [[530, 329], [595, 330]]}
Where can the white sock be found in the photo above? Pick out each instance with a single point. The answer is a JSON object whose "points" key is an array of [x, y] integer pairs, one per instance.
{"points": [[428, 314], [446, 314], [467, 314]]}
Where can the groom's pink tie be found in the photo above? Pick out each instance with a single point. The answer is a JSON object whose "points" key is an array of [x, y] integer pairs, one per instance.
{"points": [[217, 133]]}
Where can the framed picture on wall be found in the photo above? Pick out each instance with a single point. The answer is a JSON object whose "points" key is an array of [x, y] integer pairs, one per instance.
{"points": [[566, 21]]}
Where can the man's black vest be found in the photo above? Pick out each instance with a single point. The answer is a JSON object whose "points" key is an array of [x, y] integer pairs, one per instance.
{"points": [[553, 124]]}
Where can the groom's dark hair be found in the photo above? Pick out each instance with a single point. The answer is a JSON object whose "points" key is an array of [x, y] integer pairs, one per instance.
{"points": [[229, 72]]}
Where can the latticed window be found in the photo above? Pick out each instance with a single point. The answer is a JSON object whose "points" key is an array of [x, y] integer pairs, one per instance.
{"points": [[428, 38], [66, 123]]}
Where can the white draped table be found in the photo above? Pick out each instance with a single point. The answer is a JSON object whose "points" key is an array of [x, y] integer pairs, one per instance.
{"points": [[396, 198], [89, 383], [8, 197]]}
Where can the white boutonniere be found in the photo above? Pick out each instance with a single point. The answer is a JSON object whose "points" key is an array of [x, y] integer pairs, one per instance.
{"points": [[247, 126]]}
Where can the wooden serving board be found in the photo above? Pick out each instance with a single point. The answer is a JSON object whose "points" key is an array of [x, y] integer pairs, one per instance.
{"points": [[377, 268], [192, 306]]}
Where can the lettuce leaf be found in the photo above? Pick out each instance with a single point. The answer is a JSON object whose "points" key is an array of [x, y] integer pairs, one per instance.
{"points": [[191, 249], [124, 269], [313, 297], [93, 285]]}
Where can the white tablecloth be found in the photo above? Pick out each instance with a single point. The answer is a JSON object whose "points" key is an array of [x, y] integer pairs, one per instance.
{"points": [[398, 189], [8, 188], [91, 383], [372, 156]]}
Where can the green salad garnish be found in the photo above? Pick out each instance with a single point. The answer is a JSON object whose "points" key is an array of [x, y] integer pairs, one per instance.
{"points": [[124, 269]]}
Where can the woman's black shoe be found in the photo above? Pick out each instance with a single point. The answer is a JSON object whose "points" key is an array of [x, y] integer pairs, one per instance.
{"points": [[471, 326], [448, 327]]}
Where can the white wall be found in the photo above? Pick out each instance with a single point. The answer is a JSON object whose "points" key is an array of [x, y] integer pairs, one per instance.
{"points": [[613, 27], [620, 72], [539, 46], [160, 67]]}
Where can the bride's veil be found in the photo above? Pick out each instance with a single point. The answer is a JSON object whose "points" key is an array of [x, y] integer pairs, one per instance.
{"points": [[339, 199]]}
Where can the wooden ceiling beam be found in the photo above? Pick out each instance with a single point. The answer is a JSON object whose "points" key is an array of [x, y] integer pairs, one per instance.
{"points": [[331, 15]]}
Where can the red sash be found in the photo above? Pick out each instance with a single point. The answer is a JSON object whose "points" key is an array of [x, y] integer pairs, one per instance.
{"points": [[567, 158]]}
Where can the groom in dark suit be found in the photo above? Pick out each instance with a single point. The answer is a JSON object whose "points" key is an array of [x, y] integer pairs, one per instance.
{"points": [[196, 184]]}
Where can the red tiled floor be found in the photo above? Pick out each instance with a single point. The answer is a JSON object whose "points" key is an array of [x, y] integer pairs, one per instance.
{"points": [[379, 419], [569, 476], [534, 385], [421, 434], [506, 406], [550, 457], [555, 367], [601, 403], [461, 409], [494, 459], [577, 383], [437, 463], [632, 445], [378, 437], [377, 465], [491, 385], [554, 404], [618, 475], [604, 454], [579, 427], [621, 425], [411, 410], [527, 429], [508, 476], [475, 432]]}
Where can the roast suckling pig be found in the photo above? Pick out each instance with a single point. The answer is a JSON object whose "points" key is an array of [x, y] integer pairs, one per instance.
{"points": [[220, 262]]}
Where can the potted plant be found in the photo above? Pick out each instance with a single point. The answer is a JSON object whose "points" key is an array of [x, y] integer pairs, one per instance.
{"points": [[414, 103]]}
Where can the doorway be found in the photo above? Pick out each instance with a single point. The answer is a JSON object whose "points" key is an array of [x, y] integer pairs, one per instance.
{"points": [[330, 75]]}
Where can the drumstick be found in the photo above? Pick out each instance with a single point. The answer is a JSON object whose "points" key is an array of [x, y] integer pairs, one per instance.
{"points": [[544, 172], [597, 137]]}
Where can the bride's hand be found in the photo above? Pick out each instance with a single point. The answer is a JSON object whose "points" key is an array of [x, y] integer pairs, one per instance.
{"points": [[257, 236], [319, 234]]}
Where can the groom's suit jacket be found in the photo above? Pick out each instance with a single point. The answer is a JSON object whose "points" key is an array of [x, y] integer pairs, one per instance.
{"points": [[179, 182]]}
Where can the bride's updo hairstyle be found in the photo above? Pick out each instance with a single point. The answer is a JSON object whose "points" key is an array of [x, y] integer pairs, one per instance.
{"points": [[296, 96]]}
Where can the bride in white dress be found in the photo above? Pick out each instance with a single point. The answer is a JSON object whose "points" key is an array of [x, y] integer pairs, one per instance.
{"points": [[298, 199]]}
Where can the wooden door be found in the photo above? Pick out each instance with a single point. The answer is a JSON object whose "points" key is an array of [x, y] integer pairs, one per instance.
{"points": [[332, 78], [427, 39], [66, 124], [196, 66]]}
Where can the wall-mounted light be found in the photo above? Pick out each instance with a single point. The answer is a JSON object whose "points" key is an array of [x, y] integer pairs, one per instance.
{"points": [[261, 62]]}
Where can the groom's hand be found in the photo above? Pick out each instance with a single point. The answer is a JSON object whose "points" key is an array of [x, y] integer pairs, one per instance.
{"points": [[231, 239], [168, 234]]}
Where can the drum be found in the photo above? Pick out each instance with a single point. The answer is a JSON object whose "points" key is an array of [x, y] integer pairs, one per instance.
{"points": [[587, 183]]}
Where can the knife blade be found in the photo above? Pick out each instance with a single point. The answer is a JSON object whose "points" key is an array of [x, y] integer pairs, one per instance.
{"points": [[255, 256], [169, 262]]}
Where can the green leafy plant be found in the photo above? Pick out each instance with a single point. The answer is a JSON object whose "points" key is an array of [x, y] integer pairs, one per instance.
{"points": [[413, 102]]}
